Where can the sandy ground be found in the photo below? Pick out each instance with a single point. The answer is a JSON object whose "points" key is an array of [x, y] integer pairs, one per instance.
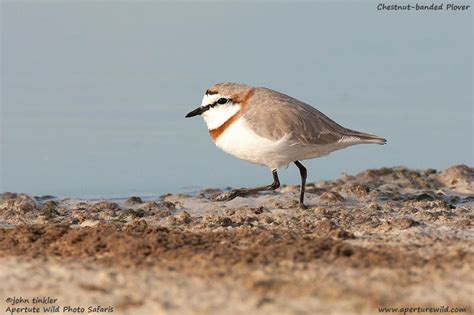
{"points": [[389, 237]]}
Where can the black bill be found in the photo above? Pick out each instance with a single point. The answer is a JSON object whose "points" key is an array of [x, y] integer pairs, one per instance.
{"points": [[197, 111]]}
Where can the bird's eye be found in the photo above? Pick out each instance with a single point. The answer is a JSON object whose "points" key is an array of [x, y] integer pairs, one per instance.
{"points": [[222, 100]]}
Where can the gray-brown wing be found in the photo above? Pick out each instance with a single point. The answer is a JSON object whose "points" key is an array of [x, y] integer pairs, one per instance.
{"points": [[274, 115]]}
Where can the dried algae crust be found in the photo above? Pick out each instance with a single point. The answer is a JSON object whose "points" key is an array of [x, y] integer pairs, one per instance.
{"points": [[386, 237]]}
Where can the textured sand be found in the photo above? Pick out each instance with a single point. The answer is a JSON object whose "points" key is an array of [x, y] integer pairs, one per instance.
{"points": [[388, 237]]}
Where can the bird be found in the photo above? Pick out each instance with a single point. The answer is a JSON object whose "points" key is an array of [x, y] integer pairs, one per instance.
{"points": [[272, 129]]}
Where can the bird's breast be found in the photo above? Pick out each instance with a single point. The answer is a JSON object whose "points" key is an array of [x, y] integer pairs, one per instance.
{"points": [[240, 140]]}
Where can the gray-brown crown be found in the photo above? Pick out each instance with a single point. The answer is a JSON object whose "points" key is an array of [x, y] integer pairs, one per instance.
{"points": [[232, 90]]}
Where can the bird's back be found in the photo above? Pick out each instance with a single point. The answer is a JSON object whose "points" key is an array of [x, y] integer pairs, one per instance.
{"points": [[274, 115]]}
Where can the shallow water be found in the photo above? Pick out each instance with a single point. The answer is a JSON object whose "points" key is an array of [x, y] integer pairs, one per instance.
{"points": [[94, 94]]}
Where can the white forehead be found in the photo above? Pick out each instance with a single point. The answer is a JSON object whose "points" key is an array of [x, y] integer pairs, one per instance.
{"points": [[210, 99]]}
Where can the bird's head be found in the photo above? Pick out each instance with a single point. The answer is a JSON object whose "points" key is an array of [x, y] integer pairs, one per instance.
{"points": [[221, 102]]}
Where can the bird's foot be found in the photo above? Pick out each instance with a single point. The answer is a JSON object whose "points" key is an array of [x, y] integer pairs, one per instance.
{"points": [[303, 206], [229, 195]]}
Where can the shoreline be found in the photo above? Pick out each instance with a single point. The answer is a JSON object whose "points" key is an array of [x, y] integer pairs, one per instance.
{"points": [[194, 190]]}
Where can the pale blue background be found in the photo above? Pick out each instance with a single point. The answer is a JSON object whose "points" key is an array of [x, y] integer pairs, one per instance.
{"points": [[94, 93]]}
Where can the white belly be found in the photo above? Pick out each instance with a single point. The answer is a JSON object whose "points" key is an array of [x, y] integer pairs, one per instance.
{"points": [[240, 141]]}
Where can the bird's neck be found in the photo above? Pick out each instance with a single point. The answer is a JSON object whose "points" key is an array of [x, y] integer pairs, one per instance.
{"points": [[216, 132]]}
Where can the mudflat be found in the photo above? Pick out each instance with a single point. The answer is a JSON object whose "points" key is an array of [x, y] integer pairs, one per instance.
{"points": [[384, 238]]}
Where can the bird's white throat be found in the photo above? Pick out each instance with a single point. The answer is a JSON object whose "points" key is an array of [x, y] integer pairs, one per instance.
{"points": [[219, 114]]}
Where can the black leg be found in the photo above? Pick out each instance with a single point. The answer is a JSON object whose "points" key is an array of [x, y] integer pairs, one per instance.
{"points": [[303, 174], [226, 196]]}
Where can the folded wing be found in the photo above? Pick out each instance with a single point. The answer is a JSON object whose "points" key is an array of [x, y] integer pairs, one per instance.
{"points": [[302, 123]]}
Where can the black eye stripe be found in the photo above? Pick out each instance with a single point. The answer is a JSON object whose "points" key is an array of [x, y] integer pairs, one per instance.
{"points": [[209, 106], [227, 100]]}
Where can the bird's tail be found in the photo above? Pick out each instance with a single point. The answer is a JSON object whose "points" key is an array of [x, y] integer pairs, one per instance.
{"points": [[361, 137]]}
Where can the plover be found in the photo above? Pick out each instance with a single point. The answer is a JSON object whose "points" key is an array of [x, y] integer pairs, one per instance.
{"points": [[272, 129]]}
